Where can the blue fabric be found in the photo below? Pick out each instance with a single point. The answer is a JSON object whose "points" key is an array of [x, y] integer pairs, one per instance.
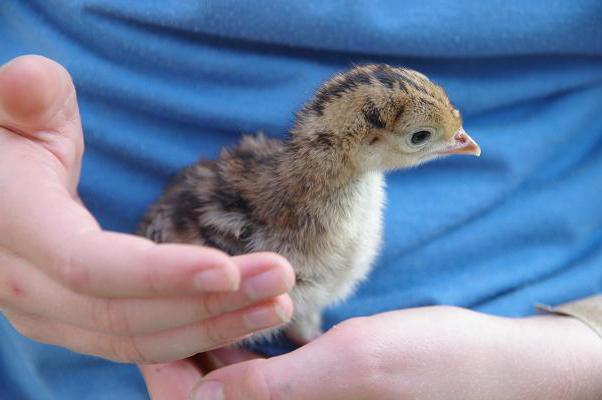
{"points": [[162, 83]]}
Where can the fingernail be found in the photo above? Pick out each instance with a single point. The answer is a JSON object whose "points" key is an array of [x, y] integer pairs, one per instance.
{"points": [[215, 280], [210, 390], [265, 317], [264, 285]]}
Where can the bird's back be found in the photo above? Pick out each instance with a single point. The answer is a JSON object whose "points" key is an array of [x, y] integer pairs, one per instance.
{"points": [[211, 202]]}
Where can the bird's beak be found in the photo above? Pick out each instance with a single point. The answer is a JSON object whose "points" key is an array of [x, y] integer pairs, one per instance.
{"points": [[463, 144]]}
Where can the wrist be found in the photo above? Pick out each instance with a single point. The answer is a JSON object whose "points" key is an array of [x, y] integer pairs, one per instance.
{"points": [[586, 353], [571, 350]]}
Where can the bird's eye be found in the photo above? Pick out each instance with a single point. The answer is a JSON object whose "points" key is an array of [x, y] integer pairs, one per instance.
{"points": [[420, 137]]}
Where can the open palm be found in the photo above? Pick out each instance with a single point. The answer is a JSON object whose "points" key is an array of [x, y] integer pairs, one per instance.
{"points": [[65, 281]]}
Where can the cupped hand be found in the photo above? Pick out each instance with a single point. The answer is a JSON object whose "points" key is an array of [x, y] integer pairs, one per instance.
{"points": [[433, 353], [65, 281]]}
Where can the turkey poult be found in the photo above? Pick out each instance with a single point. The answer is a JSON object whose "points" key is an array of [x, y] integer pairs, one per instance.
{"points": [[317, 196]]}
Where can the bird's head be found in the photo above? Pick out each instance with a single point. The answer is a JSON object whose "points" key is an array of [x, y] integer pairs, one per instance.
{"points": [[384, 118]]}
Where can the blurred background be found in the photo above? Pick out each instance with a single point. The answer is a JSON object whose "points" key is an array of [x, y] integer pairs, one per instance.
{"points": [[161, 84]]}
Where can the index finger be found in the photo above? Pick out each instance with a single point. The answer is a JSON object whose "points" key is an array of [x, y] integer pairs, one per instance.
{"points": [[60, 237], [115, 264], [119, 265]]}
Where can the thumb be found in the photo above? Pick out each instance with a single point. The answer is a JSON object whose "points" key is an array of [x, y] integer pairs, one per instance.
{"points": [[38, 103], [35, 93], [317, 371], [170, 381], [175, 380]]}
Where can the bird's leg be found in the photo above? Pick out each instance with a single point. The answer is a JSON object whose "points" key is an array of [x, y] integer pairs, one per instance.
{"points": [[305, 327]]}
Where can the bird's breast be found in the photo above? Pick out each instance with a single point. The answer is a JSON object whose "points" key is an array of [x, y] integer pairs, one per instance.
{"points": [[345, 253]]}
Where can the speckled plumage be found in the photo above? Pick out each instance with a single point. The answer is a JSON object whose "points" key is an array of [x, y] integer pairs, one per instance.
{"points": [[316, 197]]}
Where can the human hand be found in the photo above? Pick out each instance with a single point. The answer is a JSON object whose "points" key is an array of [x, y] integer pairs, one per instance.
{"points": [[424, 353], [66, 282]]}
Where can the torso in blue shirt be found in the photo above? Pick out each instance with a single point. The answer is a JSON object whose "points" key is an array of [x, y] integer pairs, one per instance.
{"points": [[161, 85]]}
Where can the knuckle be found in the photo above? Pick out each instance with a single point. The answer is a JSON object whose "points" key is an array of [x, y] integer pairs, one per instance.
{"points": [[153, 276], [356, 342], [110, 317], [214, 335], [369, 358], [208, 306], [124, 349], [257, 383], [73, 276], [266, 388]]}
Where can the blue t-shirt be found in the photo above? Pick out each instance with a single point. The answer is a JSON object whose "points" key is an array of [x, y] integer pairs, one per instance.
{"points": [[162, 83]]}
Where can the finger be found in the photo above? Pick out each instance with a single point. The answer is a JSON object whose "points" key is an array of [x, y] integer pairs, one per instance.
{"points": [[23, 286], [138, 267], [113, 264], [170, 381], [67, 246], [320, 370], [140, 316], [40, 157], [135, 266], [38, 101], [160, 347], [218, 331], [35, 93]]}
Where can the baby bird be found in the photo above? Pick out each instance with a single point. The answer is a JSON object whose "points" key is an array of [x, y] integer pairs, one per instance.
{"points": [[316, 197]]}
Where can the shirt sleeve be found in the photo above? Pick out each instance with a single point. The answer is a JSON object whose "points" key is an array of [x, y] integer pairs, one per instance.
{"points": [[588, 310]]}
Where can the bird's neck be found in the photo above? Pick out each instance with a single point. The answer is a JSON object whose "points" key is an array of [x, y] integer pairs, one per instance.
{"points": [[318, 170]]}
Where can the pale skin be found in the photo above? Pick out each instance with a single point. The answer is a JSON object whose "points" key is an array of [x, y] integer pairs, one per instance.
{"points": [[146, 303], [431, 353], [65, 281]]}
